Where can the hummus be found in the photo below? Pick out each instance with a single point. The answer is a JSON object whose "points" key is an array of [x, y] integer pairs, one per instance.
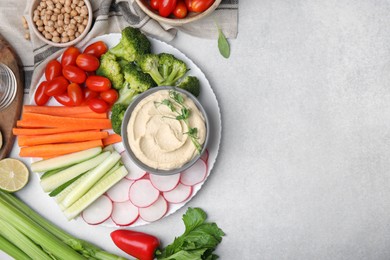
{"points": [[157, 139]]}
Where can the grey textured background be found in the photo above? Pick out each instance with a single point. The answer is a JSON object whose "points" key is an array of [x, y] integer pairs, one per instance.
{"points": [[303, 169]]}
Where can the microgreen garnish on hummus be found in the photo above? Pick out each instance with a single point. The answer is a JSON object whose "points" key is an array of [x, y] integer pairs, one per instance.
{"points": [[175, 103]]}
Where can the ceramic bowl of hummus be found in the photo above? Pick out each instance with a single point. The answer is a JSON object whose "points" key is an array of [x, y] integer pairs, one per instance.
{"points": [[165, 130]]}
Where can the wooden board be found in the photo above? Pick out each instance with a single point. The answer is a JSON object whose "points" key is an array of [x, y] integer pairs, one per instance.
{"points": [[9, 116]]}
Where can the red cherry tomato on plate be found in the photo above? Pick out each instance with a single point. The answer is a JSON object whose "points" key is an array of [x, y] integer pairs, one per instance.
{"points": [[98, 83], [180, 10], [69, 56], [89, 94], [87, 62], [198, 5], [96, 49], [166, 7], [98, 105], [74, 74], [75, 93], [56, 86], [40, 97], [110, 96], [53, 69], [154, 4], [64, 100]]}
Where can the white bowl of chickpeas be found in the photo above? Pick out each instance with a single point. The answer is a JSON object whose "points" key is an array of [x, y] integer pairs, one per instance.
{"points": [[61, 23]]}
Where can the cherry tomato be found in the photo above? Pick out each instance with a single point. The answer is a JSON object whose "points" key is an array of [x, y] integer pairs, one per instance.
{"points": [[40, 97], [110, 96], [180, 10], [98, 83], [75, 93], [64, 100], [96, 49], [74, 74], [98, 105], [69, 56], [89, 94], [198, 5], [166, 7], [87, 62], [53, 69], [154, 4], [56, 86]]}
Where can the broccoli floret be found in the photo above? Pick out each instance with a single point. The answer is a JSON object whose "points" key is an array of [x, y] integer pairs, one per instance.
{"points": [[136, 82], [132, 44], [164, 68], [191, 84], [117, 113], [111, 69]]}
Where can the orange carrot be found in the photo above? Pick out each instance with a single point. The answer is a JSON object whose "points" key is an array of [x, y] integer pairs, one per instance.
{"points": [[31, 120], [88, 115], [51, 150], [61, 138], [39, 131], [112, 139], [56, 110]]}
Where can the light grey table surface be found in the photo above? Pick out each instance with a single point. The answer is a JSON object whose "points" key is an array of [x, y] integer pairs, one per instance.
{"points": [[303, 170]]}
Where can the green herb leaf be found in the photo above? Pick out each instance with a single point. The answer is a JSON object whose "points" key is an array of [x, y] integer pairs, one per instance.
{"points": [[223, 44]]}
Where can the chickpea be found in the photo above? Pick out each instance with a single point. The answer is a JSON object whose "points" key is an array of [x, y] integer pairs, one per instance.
{"points": [[56, 39], [65, 39]]}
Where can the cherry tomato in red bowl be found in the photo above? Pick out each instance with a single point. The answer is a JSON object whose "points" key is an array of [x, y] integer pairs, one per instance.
{"points": [[153, 9]]}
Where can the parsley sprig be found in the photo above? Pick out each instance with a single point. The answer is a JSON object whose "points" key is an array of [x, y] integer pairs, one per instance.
{"points": [[175, 103]]}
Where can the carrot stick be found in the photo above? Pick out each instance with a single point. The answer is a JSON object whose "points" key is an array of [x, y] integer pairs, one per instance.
{"points": [[112, 139], [61, 138], [39, 131], [51, 150], [56, 110], [31, 120], [88, 115]]}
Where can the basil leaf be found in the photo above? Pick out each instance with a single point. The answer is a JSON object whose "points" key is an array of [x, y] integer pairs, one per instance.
{"points": [[223, 44]]}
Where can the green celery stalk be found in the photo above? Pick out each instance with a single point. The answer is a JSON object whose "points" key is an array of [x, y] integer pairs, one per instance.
{"points": [[12, 250], [16, 237], [35, 232], [85, 248]]}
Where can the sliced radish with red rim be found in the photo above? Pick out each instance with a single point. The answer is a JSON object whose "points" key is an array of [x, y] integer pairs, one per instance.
{"points": [[98, 212], [142, 193], [179, 194], [120, 191], [195, 174], [135, 172], [164, 183], [155, 211], [124, 213]]}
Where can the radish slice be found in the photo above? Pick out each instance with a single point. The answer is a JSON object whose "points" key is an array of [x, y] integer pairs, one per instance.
{"points": [[142, 193], [135, 172], [98, 212], [205, 156], [124, 213], [194, 175], [155, 211], [120, 191], [164, 183], [179, 194]]}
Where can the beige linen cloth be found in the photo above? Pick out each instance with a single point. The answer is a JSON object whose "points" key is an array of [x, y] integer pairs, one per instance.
{"points": [[111, 16]]}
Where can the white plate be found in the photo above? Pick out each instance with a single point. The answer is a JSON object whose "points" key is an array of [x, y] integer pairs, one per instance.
{"points": [[207, 98]]}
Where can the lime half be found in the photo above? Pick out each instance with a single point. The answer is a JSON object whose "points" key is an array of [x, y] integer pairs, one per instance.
{"points": [[13, 174]]}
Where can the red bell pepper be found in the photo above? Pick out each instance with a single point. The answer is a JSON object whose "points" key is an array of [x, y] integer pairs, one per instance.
{"points": [[137, 244]]}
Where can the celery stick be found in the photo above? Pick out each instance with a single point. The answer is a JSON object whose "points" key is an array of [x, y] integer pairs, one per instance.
{"points": [[89, 179], [108, 180], [12, 250], [53, 181], [35, 232], [64, 160], [20, 240], [83, 247]]}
